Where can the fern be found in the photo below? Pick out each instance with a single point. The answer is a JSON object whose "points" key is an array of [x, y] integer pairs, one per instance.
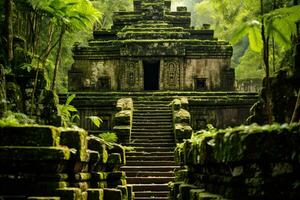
{"points": [[109, 137], [97, 121], [65, 111], [15, 119]]}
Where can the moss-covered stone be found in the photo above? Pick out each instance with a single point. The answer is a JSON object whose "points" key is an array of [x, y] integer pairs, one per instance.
{"points": [[76, 139], [95, 194], [182, 116], [29, 136], [43, 198], [114, 194], [124, 192], [114, 159], [69, 193]]}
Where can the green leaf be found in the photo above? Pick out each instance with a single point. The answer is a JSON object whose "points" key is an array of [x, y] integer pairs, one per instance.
{"points": [[239, 33], [255, 39], [70, 99], [97, 121]]}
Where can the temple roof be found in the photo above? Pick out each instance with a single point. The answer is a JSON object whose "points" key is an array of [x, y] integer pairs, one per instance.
{"points": [[152, 29]]}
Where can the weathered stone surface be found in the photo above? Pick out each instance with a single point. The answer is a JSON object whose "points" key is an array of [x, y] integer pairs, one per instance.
{"points": [[17, 153], [246, 162], [114, 194], [152, 30], [43, 198], [95, 194], [76, 139], [29, 136], [69, 193]]}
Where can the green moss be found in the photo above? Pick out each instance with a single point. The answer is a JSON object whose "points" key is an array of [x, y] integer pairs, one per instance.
{"points": [[34, 153], [95, 194], [76, 139], [29, 135]]}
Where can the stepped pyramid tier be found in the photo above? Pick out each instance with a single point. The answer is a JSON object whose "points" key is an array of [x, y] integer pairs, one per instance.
{"points": [[152, 48]]}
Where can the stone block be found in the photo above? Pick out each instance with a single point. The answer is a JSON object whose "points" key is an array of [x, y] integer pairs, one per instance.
{"points": [[182, 116], [36, 136], [43, 198], [76, 139], [114, 159], [123, 133], [112, 194], [130, 192], [113, 176], [99, 184], [98, 144], [69, 194], [176, 105], [99, 176], [33, 159], [182, 131], [82, 177], [125, 104], [201, 194], [124, 191], [117, 148], [185, 190], [95, 194], [123, 117]]}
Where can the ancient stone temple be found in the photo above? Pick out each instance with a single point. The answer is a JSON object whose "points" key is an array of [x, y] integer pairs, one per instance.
{"points": [[152, 48]]}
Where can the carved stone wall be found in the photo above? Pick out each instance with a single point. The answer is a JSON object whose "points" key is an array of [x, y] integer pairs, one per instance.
{"points": [[171, 73], [94, 75], [131, 75]]}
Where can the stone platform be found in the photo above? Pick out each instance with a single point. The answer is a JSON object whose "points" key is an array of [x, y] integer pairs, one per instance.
{"points": [[220, 109]]}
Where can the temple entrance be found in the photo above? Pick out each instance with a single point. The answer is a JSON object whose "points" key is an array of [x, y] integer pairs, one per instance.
{"points": [[151, 74]]}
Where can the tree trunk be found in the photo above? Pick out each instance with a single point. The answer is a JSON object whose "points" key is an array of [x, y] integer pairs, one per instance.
{"points": [[265, 39], [58, 57], [2, 91], [8, 29], [296, 113]]}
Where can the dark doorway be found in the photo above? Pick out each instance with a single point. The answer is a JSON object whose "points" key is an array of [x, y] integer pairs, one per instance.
{"points": [[151, 74]]}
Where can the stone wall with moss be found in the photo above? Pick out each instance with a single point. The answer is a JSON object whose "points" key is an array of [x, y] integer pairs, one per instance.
{"points": [[246, 162], [114, 59], [44, 162]]}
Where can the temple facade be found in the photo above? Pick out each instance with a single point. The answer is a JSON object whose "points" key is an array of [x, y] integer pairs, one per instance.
{"points": [[152, 49]]}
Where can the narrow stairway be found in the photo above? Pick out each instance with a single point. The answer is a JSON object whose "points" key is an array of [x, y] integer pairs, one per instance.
{"points": [[151, 166]]}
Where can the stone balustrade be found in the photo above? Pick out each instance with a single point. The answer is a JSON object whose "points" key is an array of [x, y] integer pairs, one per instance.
{"points": [[246, 162], [181, 120], [123, 119], [49, 163]]}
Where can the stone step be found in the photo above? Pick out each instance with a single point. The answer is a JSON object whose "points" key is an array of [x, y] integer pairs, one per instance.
{"points": [[150, 163], [152, 129], [149, 168], [151, 114], [155, 149], [158, 117], [152, 111], [151, 137], [150, 158], [150, 187], [168, 120], [147, 174], [151, 123], [152, 198], [143, 153], [158, 107], [147, 134], [151, 144], [147, 140], [151, 195], [149, 180]]}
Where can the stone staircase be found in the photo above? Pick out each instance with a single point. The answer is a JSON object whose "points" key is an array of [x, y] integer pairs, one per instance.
{"points": [[151, 166]]}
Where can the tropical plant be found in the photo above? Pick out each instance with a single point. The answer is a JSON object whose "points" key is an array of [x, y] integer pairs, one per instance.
{"points": [[70, 16], [97, 121], [15, 119], [109, 137], [67, 112]]}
